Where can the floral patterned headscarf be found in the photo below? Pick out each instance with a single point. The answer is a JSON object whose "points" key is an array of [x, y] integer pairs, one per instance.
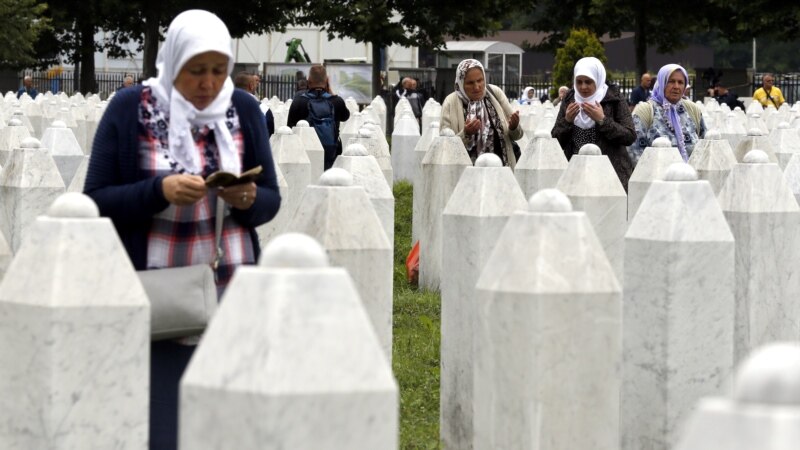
{"points": [[671, 110], [483, 110]]}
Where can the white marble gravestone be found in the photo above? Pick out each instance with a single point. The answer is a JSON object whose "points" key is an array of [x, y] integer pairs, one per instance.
{"points": [[431, 112], [340, 216], [29, 183], [755, 140], [713, 160], [79, 179], [786, 142], [75, 327], [370, 141], [367, 174], [541, 165], [593, 187], [289, 153], [678, 310], [473, 220], [419, 154], [278, 223], [289, 361], [66, 152], [764, 411], [549, 329], [313, 147], [764, 217], [441, 169], [10, 138], [652, 166], [349, 130], [404, 139]]}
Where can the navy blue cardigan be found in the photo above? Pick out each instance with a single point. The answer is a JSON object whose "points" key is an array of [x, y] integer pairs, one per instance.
{"points": [[130, 198]]}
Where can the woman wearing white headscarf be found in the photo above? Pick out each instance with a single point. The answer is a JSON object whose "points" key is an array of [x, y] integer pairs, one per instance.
{"points": [[528, 96], [153, 148], [480, 115], [593, 112]]}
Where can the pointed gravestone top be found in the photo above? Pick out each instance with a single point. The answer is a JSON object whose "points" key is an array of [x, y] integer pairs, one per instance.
{"points": [[73, 205], [30, 142], [713, 135], [447, 132], [590, 149], [680, 172], [783, 125], [15, 122], [488, 160], [755, 132], [355, 150], [58, 124], [294, 250], [549, 200], [541, 134], [336, 177], [756, 157], [662, 142], [302, 124], [285, 130], [770, 376]]}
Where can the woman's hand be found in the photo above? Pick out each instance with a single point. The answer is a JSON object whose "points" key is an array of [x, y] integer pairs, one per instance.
{"points": [[240, 196], [183, 190], [513, 121], [572, 111], [472, 126], [594, 111]]}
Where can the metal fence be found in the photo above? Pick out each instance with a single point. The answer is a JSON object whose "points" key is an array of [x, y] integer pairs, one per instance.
{"points": [[544, 86], [281, 86], [58, 81], [788, 83]]}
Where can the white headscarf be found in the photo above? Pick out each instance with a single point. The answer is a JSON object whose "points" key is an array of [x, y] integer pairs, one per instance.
{"points": [[191, 33], [590, 67]]}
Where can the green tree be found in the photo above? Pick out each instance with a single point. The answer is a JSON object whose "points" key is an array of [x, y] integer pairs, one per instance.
{"points": [[580, 43], [413, 23], [23, 21]]}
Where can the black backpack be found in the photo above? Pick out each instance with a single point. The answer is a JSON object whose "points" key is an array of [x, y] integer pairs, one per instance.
{"points": [[322, 117]]}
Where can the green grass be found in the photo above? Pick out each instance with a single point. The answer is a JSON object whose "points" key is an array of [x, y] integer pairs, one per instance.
{"points": [[416, 339]]}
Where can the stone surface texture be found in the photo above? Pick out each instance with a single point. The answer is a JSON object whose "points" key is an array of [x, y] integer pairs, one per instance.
{"points": [[74, 366], [541, 165], [548, 340], [678, 310], [472, 222]]}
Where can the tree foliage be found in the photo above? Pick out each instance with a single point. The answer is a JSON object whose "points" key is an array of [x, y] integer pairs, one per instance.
{"points": [[580, 43], [23, 21]]}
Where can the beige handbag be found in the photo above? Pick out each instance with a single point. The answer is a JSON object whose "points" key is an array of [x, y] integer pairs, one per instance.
{"points": [[183, 299]]}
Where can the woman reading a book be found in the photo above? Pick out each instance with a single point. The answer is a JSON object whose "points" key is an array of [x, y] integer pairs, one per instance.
{"points": [[154, 148]]}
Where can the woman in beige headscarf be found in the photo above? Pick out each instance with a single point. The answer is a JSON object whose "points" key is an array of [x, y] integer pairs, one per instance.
{"points": [[480, 115]]}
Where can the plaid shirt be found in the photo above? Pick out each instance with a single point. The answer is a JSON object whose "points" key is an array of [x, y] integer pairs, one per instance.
{"points": [[185, 235]]}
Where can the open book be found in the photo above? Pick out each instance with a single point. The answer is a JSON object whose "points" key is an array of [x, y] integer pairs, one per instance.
{"points": [[225, 179]]}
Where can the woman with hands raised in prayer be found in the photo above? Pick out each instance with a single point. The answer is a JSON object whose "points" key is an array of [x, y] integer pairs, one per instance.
{"points": [[593, 112]]}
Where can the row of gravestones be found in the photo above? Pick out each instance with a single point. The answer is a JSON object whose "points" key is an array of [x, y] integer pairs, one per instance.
{"points": [[687, 321], [330, 202]]}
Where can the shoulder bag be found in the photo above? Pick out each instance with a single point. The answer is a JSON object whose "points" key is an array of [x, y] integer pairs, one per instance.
{"points": [[183, 299]]}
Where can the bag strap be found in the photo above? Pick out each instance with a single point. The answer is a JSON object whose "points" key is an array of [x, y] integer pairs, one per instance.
{"points": [[218, 234]]}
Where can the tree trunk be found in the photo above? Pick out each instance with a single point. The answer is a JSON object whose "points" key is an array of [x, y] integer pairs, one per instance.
{"points": [[376, 68], [151, 37], [640, 39], [88, 83]]}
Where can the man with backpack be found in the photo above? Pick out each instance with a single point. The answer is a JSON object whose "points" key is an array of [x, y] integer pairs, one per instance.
{"points": [[322, 110]]}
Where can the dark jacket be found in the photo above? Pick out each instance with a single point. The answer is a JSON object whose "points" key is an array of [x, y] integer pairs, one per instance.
{"points": [[130, 199], [616, 133], [639, 94]]}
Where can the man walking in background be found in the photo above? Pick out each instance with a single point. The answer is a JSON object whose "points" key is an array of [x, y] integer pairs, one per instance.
{"points": [[642, 92], [768, 94]]}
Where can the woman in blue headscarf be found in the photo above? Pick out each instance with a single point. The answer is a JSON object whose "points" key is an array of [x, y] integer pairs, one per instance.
{"points": [[668, 114]]}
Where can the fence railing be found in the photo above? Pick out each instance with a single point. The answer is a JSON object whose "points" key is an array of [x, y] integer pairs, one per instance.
{"points": [[543, 87], [788, 83], [105, 82]]}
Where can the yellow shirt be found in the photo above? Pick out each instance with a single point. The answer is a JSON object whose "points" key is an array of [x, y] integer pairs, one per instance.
{"points": [[761, 96]]}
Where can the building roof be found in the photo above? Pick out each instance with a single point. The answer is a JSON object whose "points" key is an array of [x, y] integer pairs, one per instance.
{"points": [[482, 46]]}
